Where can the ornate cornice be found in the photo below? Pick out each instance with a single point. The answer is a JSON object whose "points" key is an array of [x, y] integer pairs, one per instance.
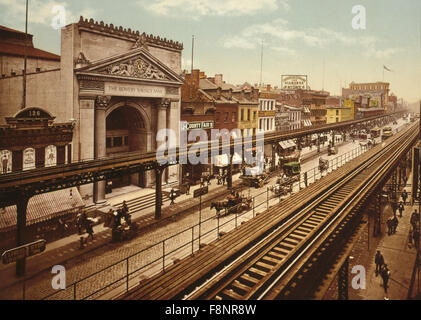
{"points": [[136, 68], [128, 33]]}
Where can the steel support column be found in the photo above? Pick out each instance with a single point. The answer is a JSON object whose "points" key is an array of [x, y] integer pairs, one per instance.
{"points": [[343, 281], [21, 205], [158, 191]]}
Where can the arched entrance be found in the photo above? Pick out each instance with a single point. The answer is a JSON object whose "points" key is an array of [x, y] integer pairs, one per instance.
{"points": [[126, 131]]}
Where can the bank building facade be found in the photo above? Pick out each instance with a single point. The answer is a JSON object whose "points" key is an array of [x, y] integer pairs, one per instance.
{"points": [[116, 88]]}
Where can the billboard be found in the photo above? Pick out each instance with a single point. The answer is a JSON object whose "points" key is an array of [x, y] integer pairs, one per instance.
{"points": [[294, 82]]}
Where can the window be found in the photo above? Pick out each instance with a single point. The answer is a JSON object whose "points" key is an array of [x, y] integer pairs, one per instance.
{"points": [[117, 141], [226, 117], [234, 117], [337, 112], [242, 114], [248, 115], [217, 117], [108, 142], [254, 115]]}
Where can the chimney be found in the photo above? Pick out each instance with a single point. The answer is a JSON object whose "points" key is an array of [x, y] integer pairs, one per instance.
{"points": [[218, 80], [268, 87], [196, 77]]}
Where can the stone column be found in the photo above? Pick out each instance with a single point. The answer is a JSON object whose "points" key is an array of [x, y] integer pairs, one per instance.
{"points": [[174, 124], [101, 105], [162, 107], [86, 142]]}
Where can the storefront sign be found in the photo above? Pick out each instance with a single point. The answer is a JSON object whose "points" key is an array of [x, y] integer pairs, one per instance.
{"points": [[200, 125], [267, 113], [133, 90]]}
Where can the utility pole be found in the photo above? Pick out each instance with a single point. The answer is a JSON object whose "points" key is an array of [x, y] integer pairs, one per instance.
{"points": [[261, 64], [191, 70], [25, 58]]}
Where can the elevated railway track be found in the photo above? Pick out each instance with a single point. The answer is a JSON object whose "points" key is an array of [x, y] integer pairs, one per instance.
{"points": [[284, 252], [41, 180]]}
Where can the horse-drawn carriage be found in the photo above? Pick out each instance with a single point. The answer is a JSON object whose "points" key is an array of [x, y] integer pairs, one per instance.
{"points": [[323, 164], [120, 222], [331, 150], [235, 203], [280, 190], [257, 181]]}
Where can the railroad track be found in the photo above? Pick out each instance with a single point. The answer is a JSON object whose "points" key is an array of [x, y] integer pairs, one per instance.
{"points": [[243, 264], [254, 275]]}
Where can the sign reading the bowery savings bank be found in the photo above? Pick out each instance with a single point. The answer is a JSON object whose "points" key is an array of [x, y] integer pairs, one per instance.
{"points": [[133, 90], [200, 125]]}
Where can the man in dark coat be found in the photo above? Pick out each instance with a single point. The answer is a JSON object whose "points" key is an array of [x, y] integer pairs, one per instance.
{"points": [[395, 223], [379, 260], [404, 196], [385, 273], [401, 208]]}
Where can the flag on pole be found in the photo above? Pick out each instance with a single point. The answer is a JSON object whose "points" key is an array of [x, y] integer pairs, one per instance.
{"points": [[386, 68]]}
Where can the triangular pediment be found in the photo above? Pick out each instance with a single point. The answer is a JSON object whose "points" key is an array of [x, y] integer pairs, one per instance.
{"points": [[137, 64]]}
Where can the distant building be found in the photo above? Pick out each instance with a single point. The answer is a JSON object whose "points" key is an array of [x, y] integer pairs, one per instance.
{"points": [[377, 91]]}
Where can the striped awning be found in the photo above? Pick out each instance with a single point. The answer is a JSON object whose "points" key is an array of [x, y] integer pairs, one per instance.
{"points": [[287, 144], [43, 207], [307, 123]]}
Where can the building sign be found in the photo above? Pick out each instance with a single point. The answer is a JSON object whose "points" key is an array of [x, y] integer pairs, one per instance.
{"points": [[201, 191], [267, 113], [133, 90], [33, 113], [24, 251], [200, 125], [293, 82], [28, 158], [5, 161]]}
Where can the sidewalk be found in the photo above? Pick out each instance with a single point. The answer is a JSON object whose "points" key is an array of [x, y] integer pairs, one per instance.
{"points": [[398, 253]]}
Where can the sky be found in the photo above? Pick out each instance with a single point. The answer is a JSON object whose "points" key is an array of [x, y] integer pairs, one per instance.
{"points": [[310, 37]]}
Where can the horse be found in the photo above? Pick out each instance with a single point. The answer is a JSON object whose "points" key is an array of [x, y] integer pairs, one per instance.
{"points": [[218, 205]]}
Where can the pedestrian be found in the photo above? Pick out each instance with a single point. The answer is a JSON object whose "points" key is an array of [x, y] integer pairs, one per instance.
{"points": [[401, 208], [188, 188], [389, 226], [385, 273], [414, 219], [90, 231], [379, 260], [172, 196], [405, 180], [404, 196], [394, 208], [395, 223]]}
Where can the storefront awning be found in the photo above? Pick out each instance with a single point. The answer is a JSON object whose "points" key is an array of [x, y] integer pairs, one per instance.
{"points": [[43, 207], [287, 144], [221, 160], [236, 159], [307, 123]]}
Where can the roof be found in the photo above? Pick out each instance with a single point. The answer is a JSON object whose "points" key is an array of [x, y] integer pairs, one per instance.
{"points": [[11, 30], [19, 50], [43, 207], [206, 84]]}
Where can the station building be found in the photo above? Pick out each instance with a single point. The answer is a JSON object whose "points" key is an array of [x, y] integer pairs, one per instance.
{"points": [[116, 87]]}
